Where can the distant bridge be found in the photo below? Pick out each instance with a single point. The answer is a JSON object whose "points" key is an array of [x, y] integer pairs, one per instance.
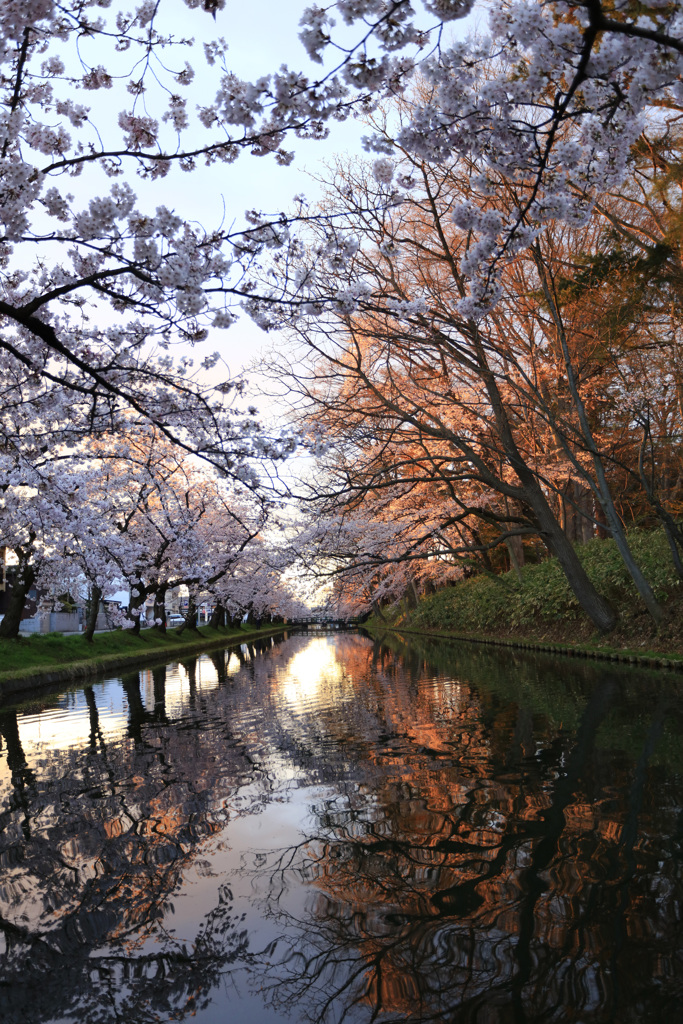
{"points": [[322, 622]]}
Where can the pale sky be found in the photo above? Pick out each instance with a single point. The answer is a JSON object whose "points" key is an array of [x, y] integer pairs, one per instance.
{"points": [[261, 35]]}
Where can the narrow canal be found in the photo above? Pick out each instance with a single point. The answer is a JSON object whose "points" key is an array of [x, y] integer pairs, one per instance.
{"points": [[327, 828]]}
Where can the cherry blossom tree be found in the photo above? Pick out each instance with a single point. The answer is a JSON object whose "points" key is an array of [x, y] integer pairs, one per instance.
{"points": [[37, 487], [96, 286], [166, 522], [404, 388], [551, 99], [97, 283], [259, 583], [125, 509], [393, 356]]}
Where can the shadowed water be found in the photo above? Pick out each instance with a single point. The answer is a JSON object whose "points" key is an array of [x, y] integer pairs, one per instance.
{"points": [[327, 828]]}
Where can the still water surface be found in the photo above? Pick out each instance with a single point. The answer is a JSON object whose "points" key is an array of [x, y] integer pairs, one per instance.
{"points": [[326, 828]]}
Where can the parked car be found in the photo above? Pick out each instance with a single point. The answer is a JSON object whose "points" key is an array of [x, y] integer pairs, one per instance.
{"points": [[174, 619]]}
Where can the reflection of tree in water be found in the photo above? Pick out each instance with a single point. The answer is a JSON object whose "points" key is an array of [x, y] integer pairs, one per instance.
{"points": [[171, 983], [481, 851], [487, 871], [93, 845]]}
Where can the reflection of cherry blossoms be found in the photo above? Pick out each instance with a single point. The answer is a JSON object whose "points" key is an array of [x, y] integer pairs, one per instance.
{"points": [[104, 865], [343, 827]]}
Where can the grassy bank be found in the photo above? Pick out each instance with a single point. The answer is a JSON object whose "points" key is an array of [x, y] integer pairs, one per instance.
{"points": [[27, 661], [539, 606]]}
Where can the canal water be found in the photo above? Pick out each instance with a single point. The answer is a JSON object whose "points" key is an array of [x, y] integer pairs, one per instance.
{"points": [[323, 828]]}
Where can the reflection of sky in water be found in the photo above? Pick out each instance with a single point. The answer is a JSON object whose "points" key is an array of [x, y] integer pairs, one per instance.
{"points": [[67, 724], [249, 812], [311, 669], [244, 837]]}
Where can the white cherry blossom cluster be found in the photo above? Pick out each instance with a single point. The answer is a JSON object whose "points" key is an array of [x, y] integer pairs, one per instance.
{"points": [[551, 100], [383, 170], [127, 510]]}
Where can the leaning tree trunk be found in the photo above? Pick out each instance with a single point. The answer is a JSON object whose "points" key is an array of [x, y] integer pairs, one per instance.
{"points": [[23, 581], [671, 528], [604, 493], [596, 607], [93, 611]]}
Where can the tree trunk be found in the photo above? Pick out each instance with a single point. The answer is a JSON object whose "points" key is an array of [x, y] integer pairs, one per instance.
{"points": [[218, 660], [190, 621], [217, 616], [190, 667], [137, 715], [642, 585], [601, 528], [23, 581], [136, 605], [675, 554], [596, 607], [671, 527], [160, 608], [584, 500], [93, 715], [569, 514], [516, 553], [603, 493], [93, 611], [159, 687]]}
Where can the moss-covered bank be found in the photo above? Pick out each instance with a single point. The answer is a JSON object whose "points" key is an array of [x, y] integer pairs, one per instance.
{"points": [[29, 662], [538, 609]]}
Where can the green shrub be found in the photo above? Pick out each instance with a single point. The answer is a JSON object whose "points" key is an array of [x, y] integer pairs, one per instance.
{"points": [[543, 595]]}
